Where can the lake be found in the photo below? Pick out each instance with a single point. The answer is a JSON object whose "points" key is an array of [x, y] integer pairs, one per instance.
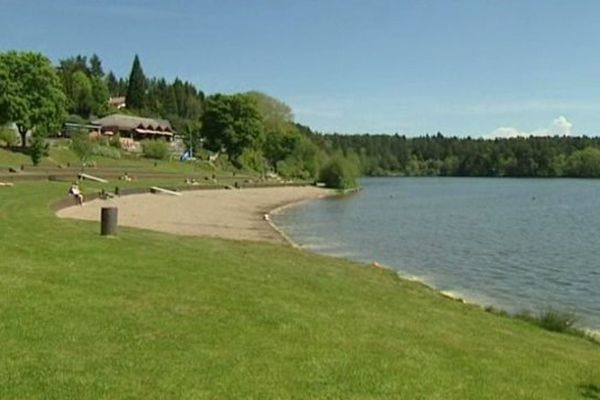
{"points": [[518, 244]]}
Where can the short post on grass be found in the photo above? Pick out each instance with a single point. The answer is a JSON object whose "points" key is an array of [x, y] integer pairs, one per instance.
{"points": [[108, 221]]}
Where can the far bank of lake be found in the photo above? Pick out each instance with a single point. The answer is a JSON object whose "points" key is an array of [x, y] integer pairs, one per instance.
{"points": [[518, 244]]}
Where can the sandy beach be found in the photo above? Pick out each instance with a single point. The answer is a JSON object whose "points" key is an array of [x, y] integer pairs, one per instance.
{"points": [[229, 214]]}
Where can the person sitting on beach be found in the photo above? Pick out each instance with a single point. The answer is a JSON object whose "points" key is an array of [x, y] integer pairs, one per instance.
{"points": [[125, 177], [76, 193]]}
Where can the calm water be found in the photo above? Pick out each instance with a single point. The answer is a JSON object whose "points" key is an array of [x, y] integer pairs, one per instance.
{"points": [[513, 243]]}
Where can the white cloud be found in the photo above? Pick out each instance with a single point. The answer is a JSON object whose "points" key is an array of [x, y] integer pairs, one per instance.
{"points": [[560, 126]]}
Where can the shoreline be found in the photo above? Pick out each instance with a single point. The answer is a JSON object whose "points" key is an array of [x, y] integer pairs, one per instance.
{"points": [[224, 213], [256, 225], [281, 208]]}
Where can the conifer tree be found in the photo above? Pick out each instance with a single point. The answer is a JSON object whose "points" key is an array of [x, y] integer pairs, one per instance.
{"points": [[112, 83], [96, 66], [136, 90]]}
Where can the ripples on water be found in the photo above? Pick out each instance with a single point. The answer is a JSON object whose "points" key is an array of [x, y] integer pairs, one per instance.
{"points": [[513, 243]]}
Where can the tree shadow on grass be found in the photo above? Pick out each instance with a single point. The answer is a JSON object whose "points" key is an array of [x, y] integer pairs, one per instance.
{"points": [[590, 391]]}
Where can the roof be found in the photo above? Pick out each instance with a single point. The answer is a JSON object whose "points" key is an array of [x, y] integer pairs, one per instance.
{"points": [[130, 122]]}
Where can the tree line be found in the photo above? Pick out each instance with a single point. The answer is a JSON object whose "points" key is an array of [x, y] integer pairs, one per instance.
{"points": [[258, 132], [437, 155]]}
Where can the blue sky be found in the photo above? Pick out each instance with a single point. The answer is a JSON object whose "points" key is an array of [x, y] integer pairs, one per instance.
{"points": [[413, 67]]}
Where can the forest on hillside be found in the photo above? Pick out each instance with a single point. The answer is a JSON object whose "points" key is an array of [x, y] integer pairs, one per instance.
{"points": [[553, 156]]}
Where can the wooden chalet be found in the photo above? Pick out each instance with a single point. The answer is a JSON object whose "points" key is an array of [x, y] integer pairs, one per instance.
{"points": [[135, 128]]}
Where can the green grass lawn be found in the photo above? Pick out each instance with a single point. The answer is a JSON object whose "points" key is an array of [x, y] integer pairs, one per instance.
{"points": [[62, 155], [152, 316]]}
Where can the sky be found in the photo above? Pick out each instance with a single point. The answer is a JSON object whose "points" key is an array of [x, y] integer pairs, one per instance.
{"points": [[464, 68]]}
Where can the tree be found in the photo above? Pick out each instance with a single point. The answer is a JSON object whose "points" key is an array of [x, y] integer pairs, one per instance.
{"points": [[281, 135], [190, 132], [122, 85], [31, 95], [584, 163], [81, 95], [136, 90], [232, 122], [276, 115], [100, 95], [8, 137], [96, 66], [82, 145], [170, 102], [112, 84]]}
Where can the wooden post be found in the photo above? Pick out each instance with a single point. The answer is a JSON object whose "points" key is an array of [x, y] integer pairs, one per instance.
{"points": [[108, 221]]}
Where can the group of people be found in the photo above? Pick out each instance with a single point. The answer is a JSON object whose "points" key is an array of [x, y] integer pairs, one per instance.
{"points": [[125, 177], [75, 191]]}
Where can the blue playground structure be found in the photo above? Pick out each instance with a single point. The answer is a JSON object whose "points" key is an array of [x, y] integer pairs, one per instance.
{"points": [[187, 156]]}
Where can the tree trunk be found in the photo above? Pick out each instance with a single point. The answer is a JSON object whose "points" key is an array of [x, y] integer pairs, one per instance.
{"points": [[23, 133]]}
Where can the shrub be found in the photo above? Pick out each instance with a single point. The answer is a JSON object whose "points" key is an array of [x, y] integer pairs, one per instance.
{"points": [[8, 137], [38, 149], [115, 141], [553, 320], [339, 173], [292, 168], [157, 149], [82, 145], [252, 159], [106, 151]]}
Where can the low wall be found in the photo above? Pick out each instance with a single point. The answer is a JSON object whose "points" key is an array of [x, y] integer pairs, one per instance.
{"points": [[70, 201]]}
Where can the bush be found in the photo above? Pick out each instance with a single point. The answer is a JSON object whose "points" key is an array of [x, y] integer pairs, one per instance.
{"points": [[106, 151], [292, 168], [339, 173], [8, 137], [157, 149], [82, 145], [115, 141], [302, 162], [252, 160], [38, 149]]}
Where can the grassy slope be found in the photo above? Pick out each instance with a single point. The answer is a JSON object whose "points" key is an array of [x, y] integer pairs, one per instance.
{"points": [[62, 155], [173, 173], [149, 315]]}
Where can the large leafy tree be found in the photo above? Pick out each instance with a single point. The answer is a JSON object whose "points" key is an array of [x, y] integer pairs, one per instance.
{"points": [[81, 94], [31, 95], [136, 90], [281, 134], [86, 90], [232, 122], [100, 95], [277, 116]]}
